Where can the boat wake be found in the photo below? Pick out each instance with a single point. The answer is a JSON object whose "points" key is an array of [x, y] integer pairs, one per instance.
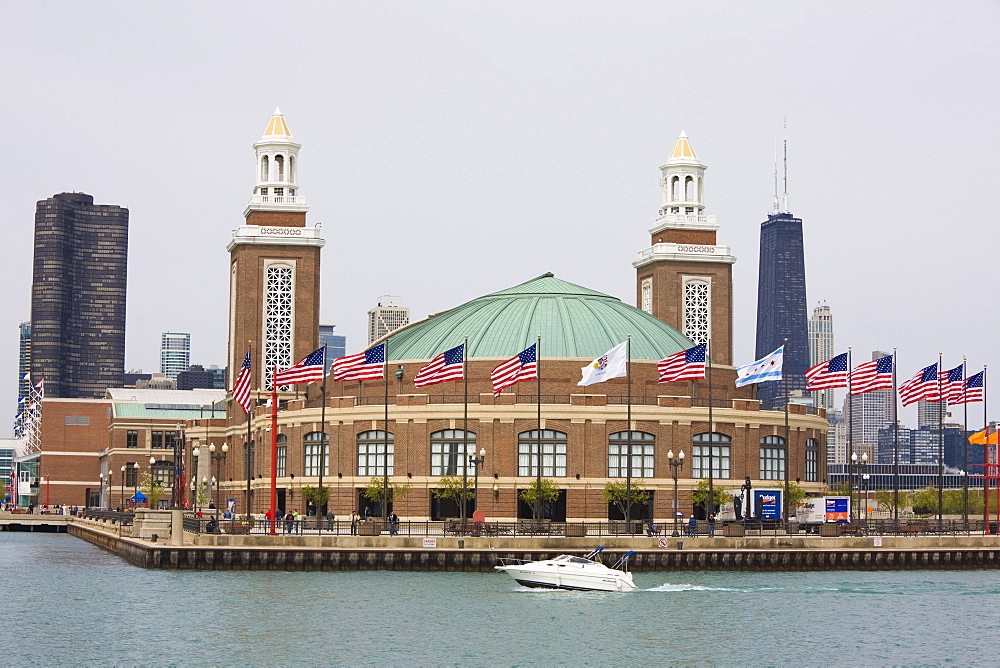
{"points": [[689, 587]]}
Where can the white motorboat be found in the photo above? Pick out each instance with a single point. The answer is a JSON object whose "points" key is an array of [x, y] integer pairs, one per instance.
{"points": [[570, 572]]}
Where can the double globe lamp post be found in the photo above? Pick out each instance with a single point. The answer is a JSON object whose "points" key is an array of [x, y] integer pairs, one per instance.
{"points": [[218, 459], [675, 465]]}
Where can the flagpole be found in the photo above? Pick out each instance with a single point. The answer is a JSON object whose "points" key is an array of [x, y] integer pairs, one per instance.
{"points": [[965, 448], [628, 429], [274, 441], [986, 461], [385, 408], [323, 447], [465, 429], [538, 454], [788, 444], [710, 507], [850, 446], [940, 512], [247, 447], [895, 443]]}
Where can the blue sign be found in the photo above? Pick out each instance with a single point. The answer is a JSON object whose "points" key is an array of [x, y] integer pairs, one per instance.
{"points": [[768, 504]]}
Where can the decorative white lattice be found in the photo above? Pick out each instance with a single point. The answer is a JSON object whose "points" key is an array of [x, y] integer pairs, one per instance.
{"points": [[696, 311], [647, 296], [277, 320], [28, 423]]}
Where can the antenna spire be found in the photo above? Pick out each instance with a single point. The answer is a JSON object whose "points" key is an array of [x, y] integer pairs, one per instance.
{"points": [[784, 199], [774, 204]]}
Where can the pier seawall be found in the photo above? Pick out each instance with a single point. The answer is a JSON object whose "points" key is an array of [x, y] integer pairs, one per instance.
{"points": [[329, 553]]}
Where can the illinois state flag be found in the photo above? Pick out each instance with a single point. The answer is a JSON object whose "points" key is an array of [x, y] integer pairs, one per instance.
{"points": [[612, 364], [765, 369]]}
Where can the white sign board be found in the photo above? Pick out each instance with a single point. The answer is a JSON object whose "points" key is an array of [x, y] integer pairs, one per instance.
{"points": [[430, 542]]}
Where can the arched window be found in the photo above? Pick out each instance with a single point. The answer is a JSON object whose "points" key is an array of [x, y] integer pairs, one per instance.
{"points": [[553, 453], [642, 454], [688, 189], [374, 448], [674, 188], [291, 170], [721, 445], [265, 169], [701, 190], [281, 460], [647, 295], [772, 458], [314, 449], [448, 453], [279, 166], [812, 460]]}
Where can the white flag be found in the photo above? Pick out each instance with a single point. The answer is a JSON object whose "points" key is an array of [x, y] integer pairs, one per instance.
{"points": [[612, 364], [765, 369]]}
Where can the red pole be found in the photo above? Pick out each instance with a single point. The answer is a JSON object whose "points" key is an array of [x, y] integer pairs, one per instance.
{"points": [[274, 452], [47, 488]]}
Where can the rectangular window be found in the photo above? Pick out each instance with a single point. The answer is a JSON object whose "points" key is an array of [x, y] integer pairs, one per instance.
{"points": [[812, 470], [131, 474], [77, 420], [447, 457], [553, 459], [168, 439], [313, 451], [131, 438], [282, 460], [642, 460], [772, 463], [158, 440], [720, 461]]}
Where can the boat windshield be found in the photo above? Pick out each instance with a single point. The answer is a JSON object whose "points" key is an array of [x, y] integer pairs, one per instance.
{"points": [[573, 560]]}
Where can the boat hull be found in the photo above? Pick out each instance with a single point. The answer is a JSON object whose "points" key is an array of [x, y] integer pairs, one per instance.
{"points": [[544, 579]]}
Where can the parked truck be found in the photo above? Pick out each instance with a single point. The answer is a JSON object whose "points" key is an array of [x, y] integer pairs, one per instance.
{"points": [[765, 505], [813, 511]]}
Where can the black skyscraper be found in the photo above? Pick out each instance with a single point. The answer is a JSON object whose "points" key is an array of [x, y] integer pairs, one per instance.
{"points": [[781, 304], [78, 296]]}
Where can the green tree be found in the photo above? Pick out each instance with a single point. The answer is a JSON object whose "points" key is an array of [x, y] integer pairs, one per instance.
{"points": [[924, 501], [795, 495], [451, 487], [383, 494], [313, 497], [201, 495], [153, 489], [700, 494], [545, 490], [616, 492]]}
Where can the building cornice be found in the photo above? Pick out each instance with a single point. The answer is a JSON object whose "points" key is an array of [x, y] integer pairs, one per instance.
{"points": [[684, 253]]}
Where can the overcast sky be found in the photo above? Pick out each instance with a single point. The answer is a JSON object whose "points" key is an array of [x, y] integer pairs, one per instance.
{"points": [[451, 149]]}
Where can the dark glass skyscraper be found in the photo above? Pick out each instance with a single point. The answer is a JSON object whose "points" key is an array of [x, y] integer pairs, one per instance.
{"points": [[78, 296], [781, 304]]}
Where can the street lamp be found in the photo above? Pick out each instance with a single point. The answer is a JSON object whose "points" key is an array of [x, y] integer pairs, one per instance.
{"points": [[477, 461], [864, 485], [675, 465], [101, 476], [176, 491], [123, 484], [218, 459], [135, 480]]}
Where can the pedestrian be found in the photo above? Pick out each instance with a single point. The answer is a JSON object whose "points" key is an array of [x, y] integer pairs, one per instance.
{"points": [[289, 522], [711, 525], [329, 519], [354, 522], [652, 529], [393, 519], [298, 521], [692, 528]]}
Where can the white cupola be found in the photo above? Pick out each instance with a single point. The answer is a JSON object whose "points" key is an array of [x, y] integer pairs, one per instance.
{"points": [[682, 179], [277, 186]]}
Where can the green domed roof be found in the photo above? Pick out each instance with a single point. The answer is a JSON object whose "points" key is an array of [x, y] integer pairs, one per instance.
{"points": [[573, 321]]}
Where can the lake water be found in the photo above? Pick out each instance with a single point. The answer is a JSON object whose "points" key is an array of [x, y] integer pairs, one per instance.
{"points": [[68, 602]]}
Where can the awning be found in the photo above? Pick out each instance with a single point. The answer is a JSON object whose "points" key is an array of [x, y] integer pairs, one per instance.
{"points": [[138, 497]]}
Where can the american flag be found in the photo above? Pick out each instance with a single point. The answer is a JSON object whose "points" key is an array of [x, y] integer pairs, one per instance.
{"points": [[446, 366], [687, 364], [871, 376], [829, 374], [522, 366], [924, 385], [241, 388], [306, 370], [951, 384], [972, 391], [361, 366]]}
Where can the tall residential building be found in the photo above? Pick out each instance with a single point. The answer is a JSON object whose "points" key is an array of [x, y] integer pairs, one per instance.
{"points": [[387, 317], [78, 296], [198, 377], [931, 413], [336, 345], [866, 414], [24, 363], [836, 438], [684, 277], [781, 304], [274, 267], [175, 353], [821, 348]]}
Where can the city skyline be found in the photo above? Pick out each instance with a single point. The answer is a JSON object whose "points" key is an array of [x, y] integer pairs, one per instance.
{"points": [[558, 160]]}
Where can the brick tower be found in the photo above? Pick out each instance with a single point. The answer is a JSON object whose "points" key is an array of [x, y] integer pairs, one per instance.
{"points": [[274, 266], [684, 278]]}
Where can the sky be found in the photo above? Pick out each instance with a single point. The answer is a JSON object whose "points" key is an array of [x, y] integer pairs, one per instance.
{"points": [[451, 149]]}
